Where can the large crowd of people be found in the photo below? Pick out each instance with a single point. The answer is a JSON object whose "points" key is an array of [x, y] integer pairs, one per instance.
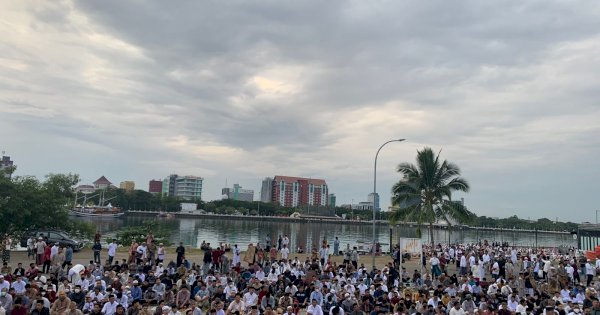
{"points": [[479, 278]]}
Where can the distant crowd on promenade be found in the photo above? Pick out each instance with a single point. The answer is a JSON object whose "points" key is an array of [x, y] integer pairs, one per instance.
{"points": [[269, 278]]}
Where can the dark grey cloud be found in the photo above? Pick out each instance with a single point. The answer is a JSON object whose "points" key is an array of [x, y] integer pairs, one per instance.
{"points": [[243, 90]]}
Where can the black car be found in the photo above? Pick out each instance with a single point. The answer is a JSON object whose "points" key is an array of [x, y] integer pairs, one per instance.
{"points": [[52, 236]]}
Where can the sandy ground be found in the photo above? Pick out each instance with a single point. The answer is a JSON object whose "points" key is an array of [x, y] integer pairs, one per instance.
{"points": [[196, 255]]}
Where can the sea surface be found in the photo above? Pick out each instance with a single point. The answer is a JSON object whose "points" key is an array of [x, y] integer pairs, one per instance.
{"points": [[243, 232]]}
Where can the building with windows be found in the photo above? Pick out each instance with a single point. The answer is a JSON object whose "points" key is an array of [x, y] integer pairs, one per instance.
{"points": [[102, 183], [155, 186], [237, 193], [187, 187], [373, 198], [331, 201], [127, 185], [6, 163], [168, 186], [298, 191], [266, 190]]}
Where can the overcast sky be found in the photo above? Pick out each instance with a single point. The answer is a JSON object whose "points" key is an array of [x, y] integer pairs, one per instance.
{"points": [[239, 90]]}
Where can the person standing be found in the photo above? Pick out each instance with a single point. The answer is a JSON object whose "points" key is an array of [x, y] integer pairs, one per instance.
{"points": [[31, 247], [354, 257], [97, 248], [39, 248], [236, 255], [285, 252], [589, 272], [68, 256], [180, 253], [249, 255], [112, 251], [161, 253], [336, 246], [6, 247]]}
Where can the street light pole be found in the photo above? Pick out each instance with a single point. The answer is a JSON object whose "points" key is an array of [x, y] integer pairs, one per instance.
{"points": [[374, 196]]}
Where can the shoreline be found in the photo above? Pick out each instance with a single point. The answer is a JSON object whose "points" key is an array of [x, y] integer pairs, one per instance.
{"points": [[330, 220]]}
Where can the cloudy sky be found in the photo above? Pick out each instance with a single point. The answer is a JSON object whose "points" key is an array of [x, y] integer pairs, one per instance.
{"points": [[238, 90]]}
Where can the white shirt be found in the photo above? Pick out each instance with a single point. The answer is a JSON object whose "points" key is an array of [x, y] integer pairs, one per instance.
{"points": [[112, 249], [53, 251], [19, 287], [314, 310], [454, 311], [285, 252], [5, 284], [250, 299], [110, 308]]}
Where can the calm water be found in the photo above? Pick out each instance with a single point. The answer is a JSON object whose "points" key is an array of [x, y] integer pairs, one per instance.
{"points": [[193, 231]]}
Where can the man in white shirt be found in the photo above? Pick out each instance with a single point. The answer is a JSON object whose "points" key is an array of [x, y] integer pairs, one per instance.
{"points": [[112, 251], [513, 303], [463, 265], [250, 298], [19, 286], [456, 309], [324, 255], [590, 271], [237, 305], [314, 308], [54, 251], [4, 284], [285, 252], [110, 307]]}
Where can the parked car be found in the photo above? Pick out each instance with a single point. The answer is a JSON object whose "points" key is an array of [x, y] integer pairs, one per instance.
{"points": [[52, 236]]}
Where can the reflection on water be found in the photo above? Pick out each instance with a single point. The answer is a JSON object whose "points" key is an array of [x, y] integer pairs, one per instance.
{"points": [[242, 232]]}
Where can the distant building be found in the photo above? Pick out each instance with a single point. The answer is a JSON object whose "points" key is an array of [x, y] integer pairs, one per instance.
{"points": [[128, 185], [237, 193], [186, 187], [189, 187], [168, 186], [331, 200], [266, 190], [102, 183], [297, 191], [373, 198], [86, 189], [5, 163], [155, 186]]}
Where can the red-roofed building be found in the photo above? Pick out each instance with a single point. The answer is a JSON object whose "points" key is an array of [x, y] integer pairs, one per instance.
{"points": [[102, 183], [298, 191]]}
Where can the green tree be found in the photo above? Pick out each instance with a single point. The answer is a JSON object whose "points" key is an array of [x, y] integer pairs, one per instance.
{"points": [[27, 203], [424, 194]]}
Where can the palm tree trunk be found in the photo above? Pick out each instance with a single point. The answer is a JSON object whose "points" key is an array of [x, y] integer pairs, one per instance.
{"points": [[431, 233]]}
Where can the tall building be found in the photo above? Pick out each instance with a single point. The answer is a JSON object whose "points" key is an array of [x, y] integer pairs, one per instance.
{"points": [[102, 183], [186, 187], [266, 190], [6, 163], [128, 185], [237, 193], [331, 201], [155, 186], [297, 191], [168, 186], [189, 187], [374, 200]]}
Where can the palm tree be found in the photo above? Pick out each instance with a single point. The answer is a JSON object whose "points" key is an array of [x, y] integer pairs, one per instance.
{"points": [[424, 194]]}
